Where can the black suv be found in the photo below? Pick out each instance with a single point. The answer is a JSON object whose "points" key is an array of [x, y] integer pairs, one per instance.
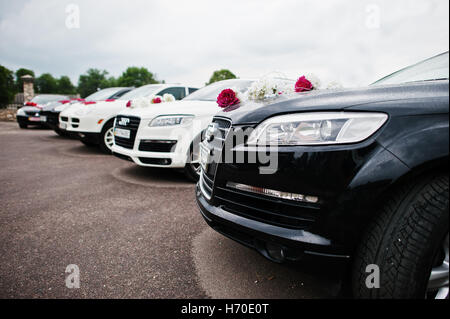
{"points": [[359, 176]]}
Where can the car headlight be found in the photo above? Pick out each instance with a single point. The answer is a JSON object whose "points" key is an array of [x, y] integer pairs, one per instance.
{"points": [[318, 128], [171, 120], [20, 112]]}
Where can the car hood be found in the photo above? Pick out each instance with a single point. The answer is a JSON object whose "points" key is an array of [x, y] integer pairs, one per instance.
{"points": [[30, 109], [333, 100], [51, 106], [67, 110], [197, 108]]}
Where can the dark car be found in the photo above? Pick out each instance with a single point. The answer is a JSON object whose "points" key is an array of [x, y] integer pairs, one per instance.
{"points": [[30, 113], [361, 177], [51, 111]]}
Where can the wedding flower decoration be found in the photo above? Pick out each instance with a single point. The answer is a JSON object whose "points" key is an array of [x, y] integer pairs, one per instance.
{"points": [[266, 88], [168, 97], [303, 85], [334, 85], [156, 100], [227, 97], [139, 102]]}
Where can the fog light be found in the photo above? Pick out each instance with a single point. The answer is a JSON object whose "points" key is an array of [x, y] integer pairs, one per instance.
{"points": [[274, 193], [275, 252]]}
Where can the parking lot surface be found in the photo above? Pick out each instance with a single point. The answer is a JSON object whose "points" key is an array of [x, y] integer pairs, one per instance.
{"points": [[133, 232]]}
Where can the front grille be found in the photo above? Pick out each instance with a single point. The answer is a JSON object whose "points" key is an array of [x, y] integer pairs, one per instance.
{"points": [[132, 124], [269, 210], [75, 120], [32, 113], [64, 119], [161, 146], [216, 145]]}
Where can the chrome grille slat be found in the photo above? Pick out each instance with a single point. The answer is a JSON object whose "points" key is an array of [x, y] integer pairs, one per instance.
{"points": [[133, 126], [206, 179]]}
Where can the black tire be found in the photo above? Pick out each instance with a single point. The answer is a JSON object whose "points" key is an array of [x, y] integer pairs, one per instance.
{"points": [[87, 143], [23, 126], [61, 133], [192, 171], [405, 241], [103, 147]]}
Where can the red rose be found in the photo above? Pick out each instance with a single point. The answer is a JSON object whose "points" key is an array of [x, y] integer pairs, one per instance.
{"points": [[227, 98], [303, 85], [156, 100]]}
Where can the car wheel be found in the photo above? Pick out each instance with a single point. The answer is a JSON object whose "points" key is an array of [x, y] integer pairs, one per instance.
{"points": [[192, 169], [408, 243], [23, 125], [107, 138], [87, 143]]}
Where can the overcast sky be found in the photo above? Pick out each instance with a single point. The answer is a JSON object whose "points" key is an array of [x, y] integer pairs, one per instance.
{"points": [[352, 41]]}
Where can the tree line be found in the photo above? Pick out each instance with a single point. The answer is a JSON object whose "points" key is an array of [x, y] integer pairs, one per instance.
{"points": [[94, 79]]}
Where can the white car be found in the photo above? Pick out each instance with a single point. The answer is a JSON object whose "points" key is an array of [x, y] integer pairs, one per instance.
{"points": [[92, 122], [164, 135]]}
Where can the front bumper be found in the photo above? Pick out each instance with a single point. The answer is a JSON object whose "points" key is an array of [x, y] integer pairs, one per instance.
{"points": [[295, 243], [156, 146], [348, 180], [52, 119], [30, 120], [176, 159]]}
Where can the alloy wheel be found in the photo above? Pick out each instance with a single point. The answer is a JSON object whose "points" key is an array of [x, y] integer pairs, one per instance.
{"points": [[109, 137], [438, 282]]}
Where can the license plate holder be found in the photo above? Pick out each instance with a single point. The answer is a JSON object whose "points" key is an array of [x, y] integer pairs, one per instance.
{"points": [[119, 132], [204, 157]]}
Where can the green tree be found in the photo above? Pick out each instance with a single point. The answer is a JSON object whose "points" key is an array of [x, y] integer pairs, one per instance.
{"points": [[46, 83], [221, 75], [92, 81], [7, 86], [135, 76], [19, 73], [65, 86], [109, 82]]}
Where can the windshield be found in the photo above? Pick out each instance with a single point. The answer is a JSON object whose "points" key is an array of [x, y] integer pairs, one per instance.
{"points": [[210, 92], [102, 94], [44, 99], [143, 91], [436, 68]]}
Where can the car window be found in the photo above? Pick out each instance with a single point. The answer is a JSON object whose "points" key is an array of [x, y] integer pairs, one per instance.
{"points": [[120, 93], [143, 91], [436, 68], [102, 94], [210, 92], [192, 90], [178, 92], [44, 99]]}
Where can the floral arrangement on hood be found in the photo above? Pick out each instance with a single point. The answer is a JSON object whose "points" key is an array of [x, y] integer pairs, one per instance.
{"points": [[271, 88], [334, 85], [142, 102], [228, 97], [266, 88]]}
